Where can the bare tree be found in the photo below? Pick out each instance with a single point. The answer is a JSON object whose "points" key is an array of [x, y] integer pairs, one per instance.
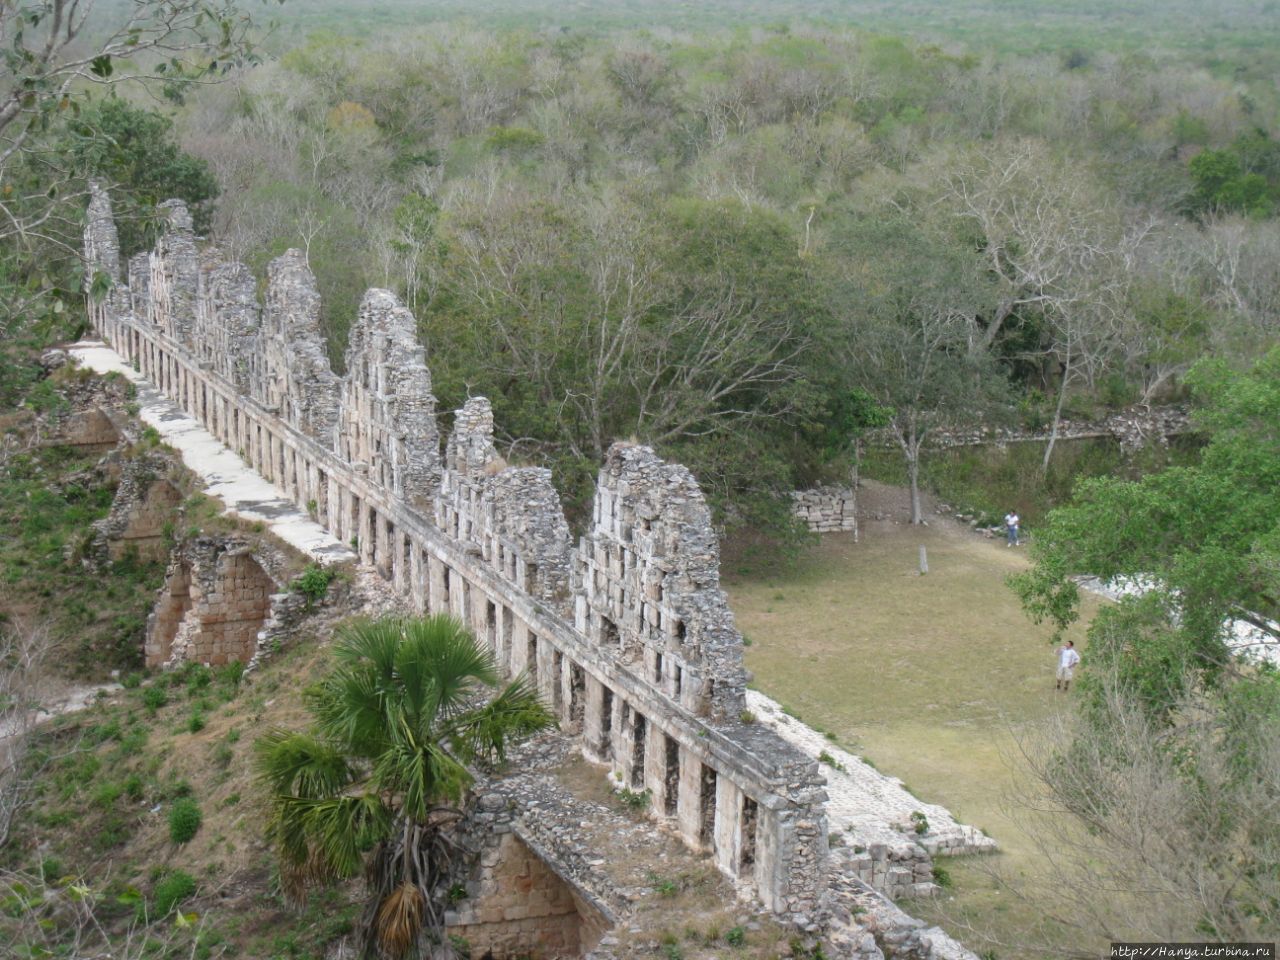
{"points": [[1143, 832], [24, 688], [55, 49], [64, 917]]}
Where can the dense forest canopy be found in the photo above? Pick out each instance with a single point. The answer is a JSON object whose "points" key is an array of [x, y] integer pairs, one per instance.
{"points": [[677, 232]]}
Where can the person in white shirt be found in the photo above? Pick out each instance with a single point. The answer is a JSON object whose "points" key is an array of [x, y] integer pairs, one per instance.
{"points": [[1067, 660], [1011, 521]]}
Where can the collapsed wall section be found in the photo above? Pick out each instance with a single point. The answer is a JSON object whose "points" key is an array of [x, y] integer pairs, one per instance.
{"points": [[658, 702], [142, 514]]}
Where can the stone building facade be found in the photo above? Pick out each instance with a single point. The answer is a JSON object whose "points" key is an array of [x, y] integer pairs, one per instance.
{"points": [[628, 634]]}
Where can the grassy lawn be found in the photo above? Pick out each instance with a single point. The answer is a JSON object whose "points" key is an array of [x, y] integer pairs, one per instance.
{"points": [[931, 678]]}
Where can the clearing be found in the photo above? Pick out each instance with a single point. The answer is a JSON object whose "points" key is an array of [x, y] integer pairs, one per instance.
{"points": [[931, 678]]}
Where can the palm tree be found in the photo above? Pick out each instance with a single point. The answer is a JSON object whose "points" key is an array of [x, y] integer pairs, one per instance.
{"points": [[385, 767]]}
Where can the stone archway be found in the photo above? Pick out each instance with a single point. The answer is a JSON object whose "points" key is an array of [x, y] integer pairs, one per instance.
{"points": [[232, 612], [521, 907], [212, 608]]}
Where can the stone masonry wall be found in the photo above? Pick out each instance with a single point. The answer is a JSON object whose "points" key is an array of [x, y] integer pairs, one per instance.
{"points": [[521, 908], [827, 509], [143, 510], [215, 606], [629, 636]]}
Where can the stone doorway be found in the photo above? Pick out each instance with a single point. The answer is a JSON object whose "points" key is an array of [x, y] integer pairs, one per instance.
{"points": [[522, 908]]}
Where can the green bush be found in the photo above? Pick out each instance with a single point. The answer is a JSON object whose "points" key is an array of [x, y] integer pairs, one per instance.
{"points": [[184, 820], [736, 937], [133, 787], [313, 583], [634, 800], [154, 697], [171, 891]]}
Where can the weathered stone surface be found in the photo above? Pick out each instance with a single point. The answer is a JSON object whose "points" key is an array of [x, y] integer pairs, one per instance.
{"points": [[143, 512], [295, 380], [651, 582], [387, 415], [175, 268], [827, 509]]}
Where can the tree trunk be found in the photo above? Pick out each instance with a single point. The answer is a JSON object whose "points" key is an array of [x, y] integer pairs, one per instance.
{"points": [[853, 483], [1057, 421], [913, 474]]}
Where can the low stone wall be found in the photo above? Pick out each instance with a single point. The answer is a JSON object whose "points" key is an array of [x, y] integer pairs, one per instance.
{"points": [[1134, 428], [827, 509], [860, 914], [887, 836]]}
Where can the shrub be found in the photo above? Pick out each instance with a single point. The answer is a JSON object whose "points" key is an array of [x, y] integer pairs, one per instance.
{"points": [[232, 673], [196, 721], [172, 890], [746, 716], [154, 697], [830, 761], [184, 820], [663, 886], [634, 800], [133, 787], [107, 794], [313, 583], [941, 877], [920, 823], [222, 755], [736, 937]]}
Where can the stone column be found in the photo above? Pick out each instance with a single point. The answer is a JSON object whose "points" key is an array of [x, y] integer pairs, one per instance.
{"points": [[689, 809], [436, 585], [417, 578], [728, 842]]}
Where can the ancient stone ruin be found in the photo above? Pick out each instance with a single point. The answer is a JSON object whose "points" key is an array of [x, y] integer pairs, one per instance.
{"points": [[628, 636], [217, 604], [828, 509], [627, 633], [143, 512]]}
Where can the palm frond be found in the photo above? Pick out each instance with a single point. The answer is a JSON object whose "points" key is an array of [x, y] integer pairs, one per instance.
{"points": [[373, 642], [483, 733], [442, 660], [301, 764], [340, 830], [354, 707], [422, 775]]}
